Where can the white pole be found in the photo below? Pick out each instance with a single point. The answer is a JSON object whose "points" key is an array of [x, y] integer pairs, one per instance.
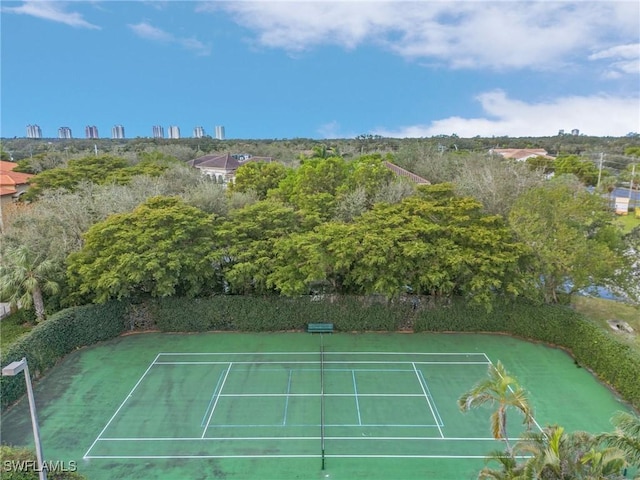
{"points": [[633, 174], [600, 170], [42, 469]]}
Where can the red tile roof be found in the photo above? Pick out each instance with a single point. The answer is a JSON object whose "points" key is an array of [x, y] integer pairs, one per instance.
{"points": [[10, 180]]}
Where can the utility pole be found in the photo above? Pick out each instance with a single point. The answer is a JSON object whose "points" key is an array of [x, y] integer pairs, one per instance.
{"points": [[633, 174], [600, 170]]}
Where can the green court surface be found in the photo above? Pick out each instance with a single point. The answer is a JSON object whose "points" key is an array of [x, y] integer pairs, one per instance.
{"points": [[279, 406]]}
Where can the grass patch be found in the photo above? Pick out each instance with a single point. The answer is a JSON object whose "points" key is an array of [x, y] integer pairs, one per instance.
{"points": [[628, 222], [12, 328], [601, 310]]}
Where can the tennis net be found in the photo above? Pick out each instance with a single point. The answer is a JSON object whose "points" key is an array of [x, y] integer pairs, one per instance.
{"points": [[322, 401]]}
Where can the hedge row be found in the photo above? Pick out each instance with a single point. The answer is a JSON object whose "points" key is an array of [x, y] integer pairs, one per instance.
{"points": [[271, 313], [611, 360], [614, 362], [59, 335]]}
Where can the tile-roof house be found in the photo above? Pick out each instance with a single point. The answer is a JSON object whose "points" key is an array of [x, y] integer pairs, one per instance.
{"points": [[521, 154], [220, 167], [223, 167], [12, 184]]}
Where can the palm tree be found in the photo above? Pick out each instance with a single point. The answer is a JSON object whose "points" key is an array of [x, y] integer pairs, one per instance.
{"points": [[24, 276], [502, 390], [626, 437], [509, 469], [555, 454]]}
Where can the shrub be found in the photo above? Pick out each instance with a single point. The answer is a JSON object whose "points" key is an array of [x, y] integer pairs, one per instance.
{"points": [[272, 313], [609, 359], [52, 339]]}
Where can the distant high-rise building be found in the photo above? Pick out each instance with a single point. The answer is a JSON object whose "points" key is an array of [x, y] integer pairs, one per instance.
{"points": [[174, 132], [575, 131], [158, 131], [34, 131], [198, 132], [117, 131], [561, 131], [91, 131], [64, 132], [219, 132]]}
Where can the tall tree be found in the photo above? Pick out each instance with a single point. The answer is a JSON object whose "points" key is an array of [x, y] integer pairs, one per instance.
{"points": [[312, 188], [259, 177], [437, 244], [161, 248], [571, 235], [25, 277], [248, 238], [501, 390], [582, 168]]}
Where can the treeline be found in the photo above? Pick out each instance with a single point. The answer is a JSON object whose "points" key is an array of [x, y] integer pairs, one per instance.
{"points": [[288, 150], [105, 227]]}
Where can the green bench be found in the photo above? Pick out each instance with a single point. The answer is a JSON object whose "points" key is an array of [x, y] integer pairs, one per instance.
{"points": [[320, 327]]}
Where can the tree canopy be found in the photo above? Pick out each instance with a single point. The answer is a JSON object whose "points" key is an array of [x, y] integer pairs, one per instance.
{"points": [[436, 244], [161, 248], [570, 235]]}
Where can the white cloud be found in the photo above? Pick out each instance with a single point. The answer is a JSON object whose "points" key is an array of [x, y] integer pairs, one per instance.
{"points": [[53, 11], [333, 129], [600, 115], [149, 32], [625, 60], [471, 34], [145, 30]]}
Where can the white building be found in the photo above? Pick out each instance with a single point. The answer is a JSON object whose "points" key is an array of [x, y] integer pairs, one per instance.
{"points": [[174, 132], [34, 131], [198, 132], [91, 131], [219, 132], [117, 131], [158, 131], [64, 132]]}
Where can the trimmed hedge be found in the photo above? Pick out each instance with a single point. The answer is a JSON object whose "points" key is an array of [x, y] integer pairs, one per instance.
{"points": [[614, 362], [272, 313], [52, 339]]}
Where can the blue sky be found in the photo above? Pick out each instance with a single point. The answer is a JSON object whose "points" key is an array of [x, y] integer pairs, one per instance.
{"points": [[328, 69]]}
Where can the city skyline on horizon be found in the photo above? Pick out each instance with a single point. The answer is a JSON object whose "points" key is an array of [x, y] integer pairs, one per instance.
{"points": [[117, 132], [324, 69]]}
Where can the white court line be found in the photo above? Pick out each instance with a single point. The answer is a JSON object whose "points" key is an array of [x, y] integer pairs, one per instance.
{"points": [[355, 391], [326, 353], [211, 400], [169, 457], [304, 362], [319, 394], [286, 404], [121, 405], [426, 385], [217, 439], [428, 401], [340, 425], [213, 409], [535, 422]]}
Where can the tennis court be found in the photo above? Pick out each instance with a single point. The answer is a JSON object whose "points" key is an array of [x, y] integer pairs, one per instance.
{"points": [[297, 404], [335, 406]]}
